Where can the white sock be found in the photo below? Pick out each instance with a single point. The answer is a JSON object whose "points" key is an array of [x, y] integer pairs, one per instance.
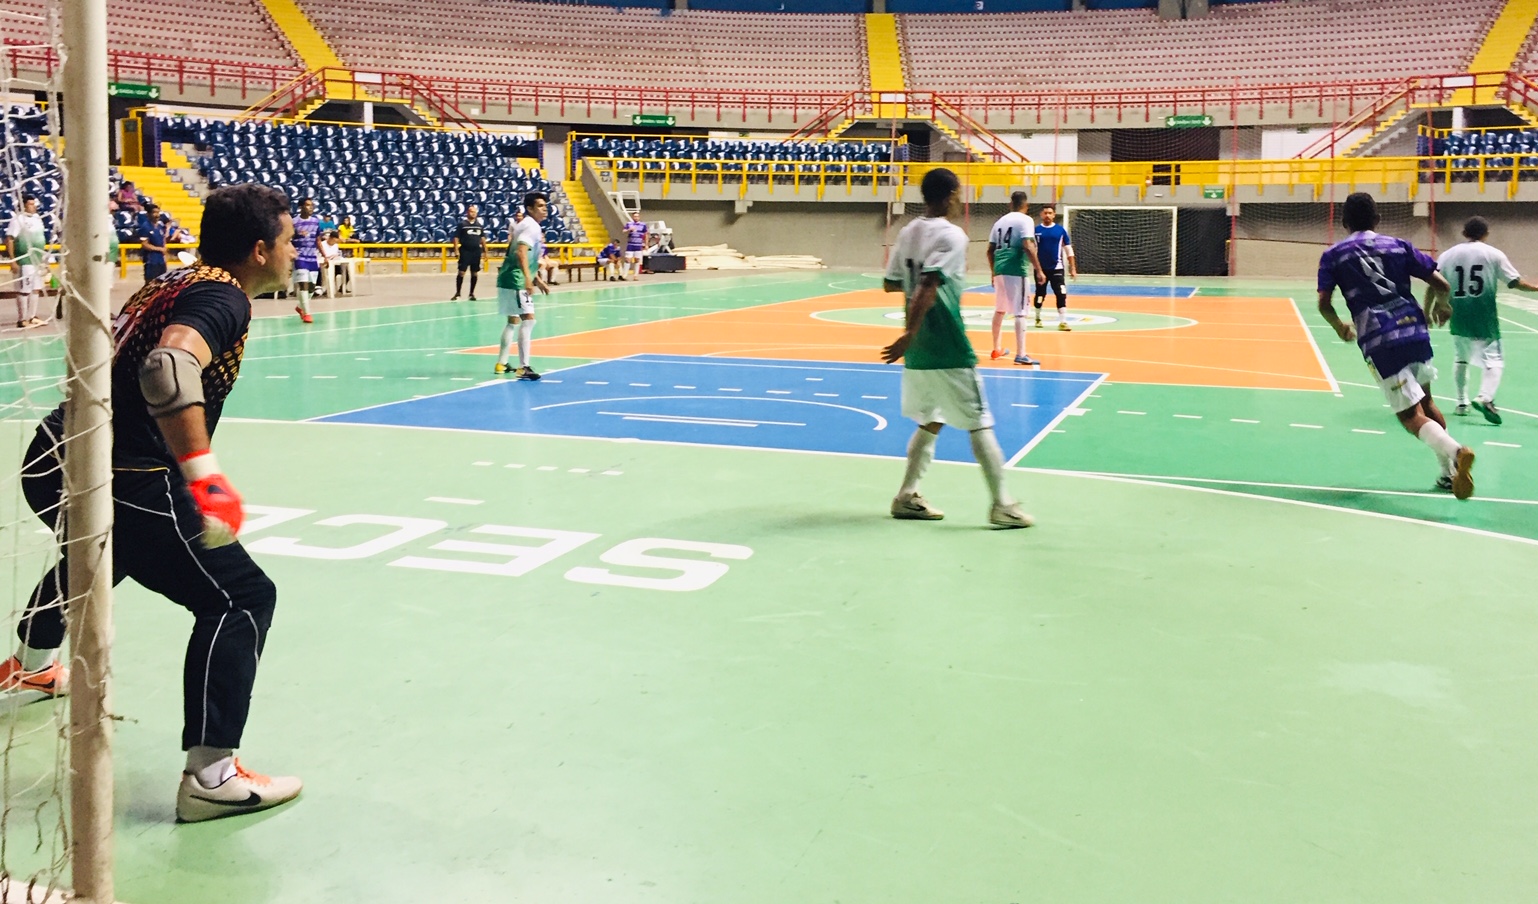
{"points": [[1490, 382], [1446, 464], [509, 336], [1062, 314], [985, 448], [32, 305], [921, 451], [211, 766], [1437, 437], [1461, 381], [34, 659], [1020, 335], [525, 336], [304, 300]]}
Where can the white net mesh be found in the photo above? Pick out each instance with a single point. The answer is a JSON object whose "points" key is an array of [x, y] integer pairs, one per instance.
{"points": [[34, 775], [1122, 241]]}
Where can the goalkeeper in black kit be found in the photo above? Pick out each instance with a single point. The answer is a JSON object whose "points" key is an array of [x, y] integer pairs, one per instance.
{"points": [[178, 348]]}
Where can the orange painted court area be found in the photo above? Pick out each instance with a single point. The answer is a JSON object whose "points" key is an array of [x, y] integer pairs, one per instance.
{"points": [[1241, 342]]}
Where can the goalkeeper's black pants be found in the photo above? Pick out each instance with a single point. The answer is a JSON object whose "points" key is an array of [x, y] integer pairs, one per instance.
{"points": [[155, 541]]}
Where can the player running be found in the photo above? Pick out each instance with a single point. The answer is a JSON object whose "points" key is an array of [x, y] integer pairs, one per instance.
{"points": [[307, 264], [1373, 272], [1476, 270], [1011, 243], [635, 243], [26, 244], [515, 281], [1055, 247], [469, 243], [940, 380]]}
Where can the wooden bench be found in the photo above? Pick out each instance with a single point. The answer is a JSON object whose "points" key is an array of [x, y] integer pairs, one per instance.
{"points": [[578, 266]]}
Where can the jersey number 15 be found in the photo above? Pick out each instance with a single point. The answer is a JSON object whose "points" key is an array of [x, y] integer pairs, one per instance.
{"points": [[1475, 283]]}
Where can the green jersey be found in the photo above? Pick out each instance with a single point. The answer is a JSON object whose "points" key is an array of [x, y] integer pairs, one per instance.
{"points": [[527, 234], [934, 245], [1008, 239], [31, 238], [1476, 271]]}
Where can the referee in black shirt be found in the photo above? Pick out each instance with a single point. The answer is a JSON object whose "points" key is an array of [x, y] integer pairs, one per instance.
{"points": [[469, 242], [179, 345]]}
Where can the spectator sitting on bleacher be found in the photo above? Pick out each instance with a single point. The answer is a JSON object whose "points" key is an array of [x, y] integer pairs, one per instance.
{"points": [[331, 257], [608, 261], [128, 198], [548, 264], [345, 229]]}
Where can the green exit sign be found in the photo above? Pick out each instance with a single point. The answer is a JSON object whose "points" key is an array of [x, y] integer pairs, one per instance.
{"points": [[653, 120], [1214, 194], [1187, 121], [132, 91]]}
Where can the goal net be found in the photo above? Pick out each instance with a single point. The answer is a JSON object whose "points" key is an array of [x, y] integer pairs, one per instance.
{"points": [[47, 301], [1123, 241]]}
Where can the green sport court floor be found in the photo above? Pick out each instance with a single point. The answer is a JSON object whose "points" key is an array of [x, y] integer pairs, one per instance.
{"points": [[1246, 655]]}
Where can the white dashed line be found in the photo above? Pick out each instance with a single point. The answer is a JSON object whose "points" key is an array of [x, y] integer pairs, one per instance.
{"points": [[598, 382], [728, 389], [1243, 420], [1080, 412], [418, 378], [684, 387], [371, 378], [453, 501], [1119, 411], [878, 398], [826, 395], [463, 379], [363, 359], [1059, 431], [1190, 417], [1373, 432], [1491, 442], [481, 464], [277, 376], [1307, 426], [814, 379], [1019, 405], [548, 380], [323, 377], [641, 385], [783, 392]]}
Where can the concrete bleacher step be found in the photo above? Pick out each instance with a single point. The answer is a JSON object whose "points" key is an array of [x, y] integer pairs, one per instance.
{"points": [[311, 46], [576, 199]]}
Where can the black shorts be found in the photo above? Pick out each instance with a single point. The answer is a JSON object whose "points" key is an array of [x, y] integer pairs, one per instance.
{"points": [[470, 262], [1055, 280]]}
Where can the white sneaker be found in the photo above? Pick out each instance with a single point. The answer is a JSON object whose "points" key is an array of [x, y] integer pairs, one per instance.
{"points": [[243, 792], [1009, 516], [915, 508]]}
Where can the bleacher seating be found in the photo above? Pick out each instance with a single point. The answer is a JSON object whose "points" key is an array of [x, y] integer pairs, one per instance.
{"points": [[1253, 43], [654, 150], [235, 31], [1503, 150], [400, 185], [551, 44], [30, 164]]}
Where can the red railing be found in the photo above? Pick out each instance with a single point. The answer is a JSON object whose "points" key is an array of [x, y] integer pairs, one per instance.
{"points": [[350, 85], [1323, 101]]}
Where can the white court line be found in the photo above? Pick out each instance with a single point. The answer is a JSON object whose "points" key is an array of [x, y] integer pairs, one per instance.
{"points": [[881, 422], [1052, 425], [689, 419], [826, 395], [597, 382], [642, 385], [317, 418], [1190, 417], [454, 501], [326, 377], [1318, 352], [1131, 412], [1518, 323], [1292, 486], [1243, 420], [1022, 405], [878, 398], [361, 378], [1308, 426], [1373, 432], [728, 389], [1504, 410], [277, 376], [883, 369], [1491, 442], [787, 392], [685, 387]]}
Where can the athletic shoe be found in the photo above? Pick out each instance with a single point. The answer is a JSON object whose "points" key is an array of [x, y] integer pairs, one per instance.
{"points": [[303, 315], [21, 324], [1488, 410], [18, 687], [454, 297], [37, 322], [997, 353], [1038, 323], [1027, 360], [527, 373], [1009, 516], [915, 508], [503, 369], [472, 296], [1463, 479], [243, 792], [1065, 327], [1462, 410], [1444, 484]]}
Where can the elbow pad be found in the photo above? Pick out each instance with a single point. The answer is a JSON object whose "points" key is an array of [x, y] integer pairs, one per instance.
{"points": [[171, 379]]}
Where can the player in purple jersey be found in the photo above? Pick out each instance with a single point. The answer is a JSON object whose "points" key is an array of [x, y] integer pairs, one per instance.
{"points": [[1373, 272], [307, 263], [635, 243]]}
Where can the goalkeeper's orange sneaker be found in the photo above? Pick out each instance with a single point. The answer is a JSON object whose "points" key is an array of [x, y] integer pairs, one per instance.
{"points": [[19, 687], [243, 792]]}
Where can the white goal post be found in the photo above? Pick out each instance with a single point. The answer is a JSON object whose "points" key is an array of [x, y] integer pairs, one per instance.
{"points": [[1123, 240]]}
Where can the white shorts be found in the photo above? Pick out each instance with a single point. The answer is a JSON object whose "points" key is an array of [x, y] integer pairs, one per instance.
{"points": [[513, 302], [1009, 295], [306, 276], [31, 279], [633, 255], [1403, 390], [1484, 354], [953, 397]]}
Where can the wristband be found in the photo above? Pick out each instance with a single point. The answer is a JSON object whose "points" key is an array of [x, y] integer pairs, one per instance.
{"points": [[199, 465]]}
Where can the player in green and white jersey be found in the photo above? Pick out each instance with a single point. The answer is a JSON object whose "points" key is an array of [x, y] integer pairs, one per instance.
{"points": [[940, 381], [26, 244], [1476, 270], [1011, 246]]}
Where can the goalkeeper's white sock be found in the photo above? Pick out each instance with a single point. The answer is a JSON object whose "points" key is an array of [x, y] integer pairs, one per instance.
{"points": [[211, 766], [33, 659], [985, 448], [1019, 334], [921, 451], [509, 336], [525, 336]]}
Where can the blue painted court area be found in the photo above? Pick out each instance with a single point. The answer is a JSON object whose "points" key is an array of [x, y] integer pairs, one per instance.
{"points": [[768, 404], [1075, 288]]}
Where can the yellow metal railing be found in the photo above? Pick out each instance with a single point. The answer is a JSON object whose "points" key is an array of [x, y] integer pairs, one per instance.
{"points": [[574, 253], [734, 176]]}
